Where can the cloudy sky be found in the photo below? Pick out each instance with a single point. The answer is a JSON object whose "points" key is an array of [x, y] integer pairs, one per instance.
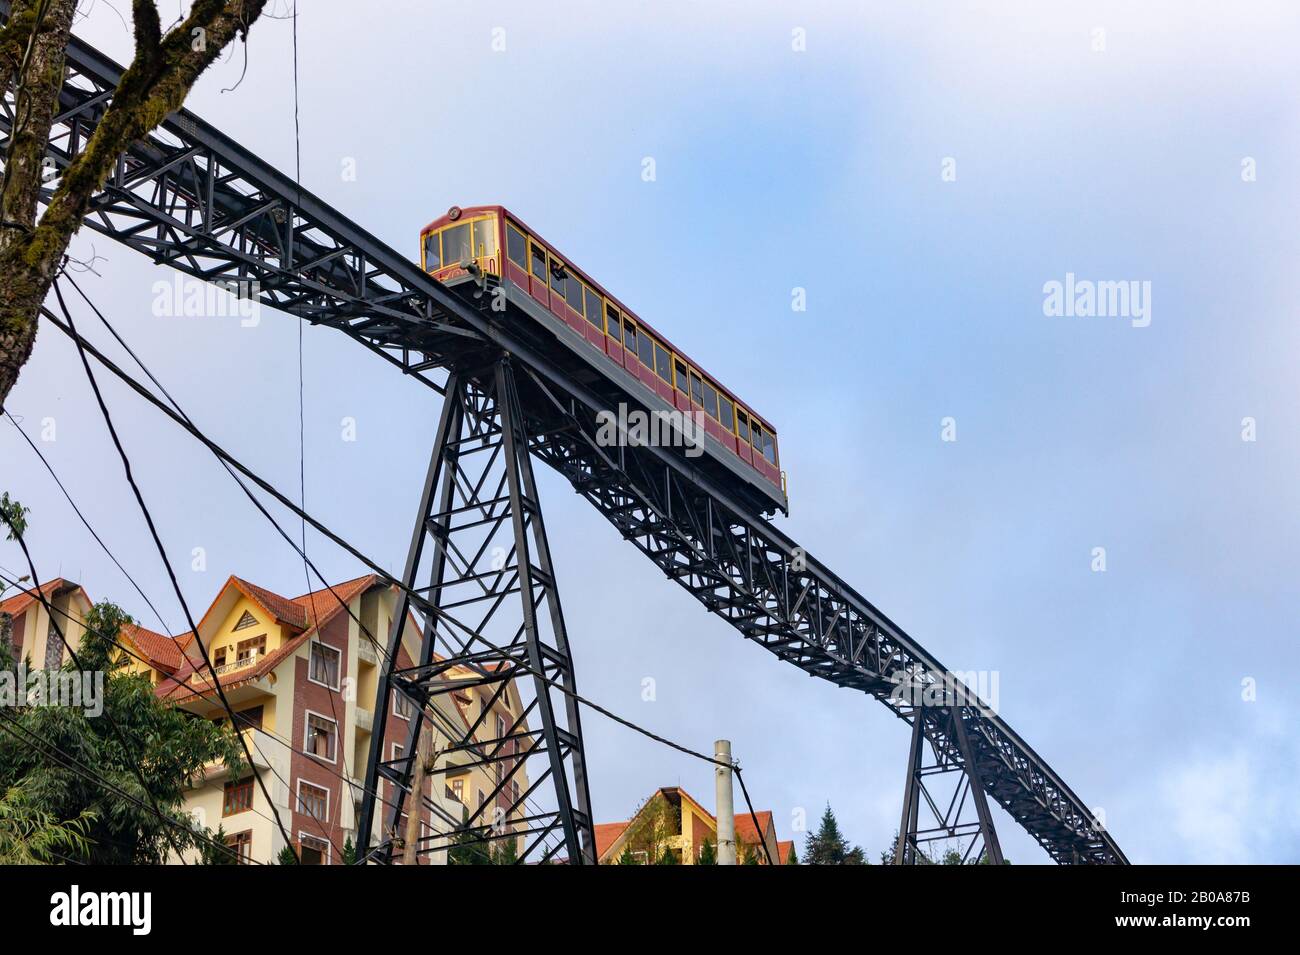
{"points": [[923, 174]]}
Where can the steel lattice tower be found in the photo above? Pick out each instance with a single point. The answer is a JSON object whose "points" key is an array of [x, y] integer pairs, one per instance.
{"points": [[486, 597]]}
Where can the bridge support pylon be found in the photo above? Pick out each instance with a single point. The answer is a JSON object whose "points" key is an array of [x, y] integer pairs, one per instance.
{"points": [[488, 612], [945, 809]]}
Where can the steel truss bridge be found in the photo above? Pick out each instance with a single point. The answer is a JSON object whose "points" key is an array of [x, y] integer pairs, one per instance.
{"points": [[192, 198]]}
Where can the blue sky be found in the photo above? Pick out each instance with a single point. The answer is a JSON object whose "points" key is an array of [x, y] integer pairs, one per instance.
{"points": [[819, 169]]}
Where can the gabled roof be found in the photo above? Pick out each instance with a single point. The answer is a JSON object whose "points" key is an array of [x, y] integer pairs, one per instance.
{"points": [[49, 590], [321, 606], [783, 851]]}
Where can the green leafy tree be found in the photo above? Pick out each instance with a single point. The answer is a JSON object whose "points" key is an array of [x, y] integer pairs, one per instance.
{"points": [[827, 846], [287, 856], [708, 855], [14, 516], [627, 858], [102, 756], [30, 836]]}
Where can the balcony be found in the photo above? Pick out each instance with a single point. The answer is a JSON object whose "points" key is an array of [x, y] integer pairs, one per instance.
{"points": [[365, 719], [203, 677]]}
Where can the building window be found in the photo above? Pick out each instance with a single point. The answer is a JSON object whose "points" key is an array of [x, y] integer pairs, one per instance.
{"points": [[403, 707], [322, 737], [324, 665], [458, 790], [242, 844], [313, 851], [313, 801], [238, 797], [219, 657]]}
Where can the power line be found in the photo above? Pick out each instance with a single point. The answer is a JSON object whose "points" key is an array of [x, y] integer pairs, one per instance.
{"points": [[82, 516], [162, 553]]}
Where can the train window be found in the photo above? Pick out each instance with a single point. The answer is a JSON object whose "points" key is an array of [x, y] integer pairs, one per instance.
{"points": [[710, 400], [742, 425], [516, 247], [485, 237], [697, 389], [645, 349], [769, 447], [629, 336], [725, 407], [663, 363], [611, 322], [539, 262], [574, 294], [755, 435], [682, 381], [432, 255], [456, 244], [559, 277], [593, 308]]}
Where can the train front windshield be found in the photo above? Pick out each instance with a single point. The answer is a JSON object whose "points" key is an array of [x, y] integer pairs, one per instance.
{"points": [[460, 242]]}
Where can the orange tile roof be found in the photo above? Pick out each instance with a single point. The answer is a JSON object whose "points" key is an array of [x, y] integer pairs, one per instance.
{"points": [[159, 649], [21, 601], [607, 834], [783, 851], [745, 830], [281, 608]]}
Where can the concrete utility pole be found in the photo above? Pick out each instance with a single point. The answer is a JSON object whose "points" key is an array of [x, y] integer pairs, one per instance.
{"points": [[415, 805], [725, 810]]}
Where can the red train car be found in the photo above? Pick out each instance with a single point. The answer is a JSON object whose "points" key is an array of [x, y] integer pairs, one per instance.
{"points": [[643, 362]]}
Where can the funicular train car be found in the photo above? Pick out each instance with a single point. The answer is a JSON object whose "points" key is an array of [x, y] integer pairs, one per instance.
{"points": [[468, 244]]}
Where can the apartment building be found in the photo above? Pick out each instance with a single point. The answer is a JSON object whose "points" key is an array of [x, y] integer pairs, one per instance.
{"points": [[301, 675]]}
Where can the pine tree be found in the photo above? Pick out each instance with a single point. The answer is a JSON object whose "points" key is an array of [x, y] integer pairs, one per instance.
{"points": [[627, 858], [669, 858], [287, 857], [791, 858], [708, 855], [827, 846], [349, 852]]}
